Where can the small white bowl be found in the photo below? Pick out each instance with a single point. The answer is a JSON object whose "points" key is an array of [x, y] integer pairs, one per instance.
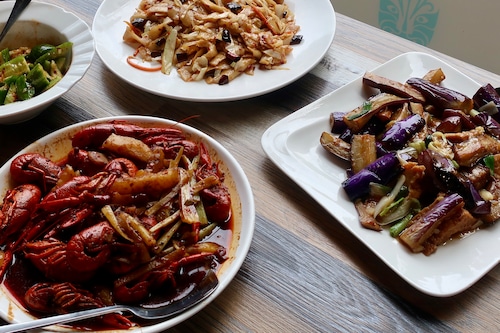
{"points": [[46, 23]]}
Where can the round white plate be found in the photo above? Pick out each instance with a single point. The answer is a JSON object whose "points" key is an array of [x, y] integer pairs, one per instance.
{"points": [[315, 17], [58, 144]]}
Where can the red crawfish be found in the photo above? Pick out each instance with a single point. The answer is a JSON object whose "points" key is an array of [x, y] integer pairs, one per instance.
{"points": [[78, 190], [18, 205], [75, 261], [216, 199], [94, 136], [36, 169], [65, 297]]}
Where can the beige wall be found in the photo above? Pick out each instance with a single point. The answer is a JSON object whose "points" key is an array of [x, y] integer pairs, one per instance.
{"points": [[468, 30]]}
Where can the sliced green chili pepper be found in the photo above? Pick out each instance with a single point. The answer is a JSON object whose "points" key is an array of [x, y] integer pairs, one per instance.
{"points": [[53, 82], [4, 56], [3, 93], [30, 74], [24, 89], [38, 78], [16, 66], [39, 50], [11, 95], [60, 51]]}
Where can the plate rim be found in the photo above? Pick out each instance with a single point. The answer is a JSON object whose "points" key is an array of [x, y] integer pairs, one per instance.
{"points": [[239, 89], [274, 142], [241, 183]]}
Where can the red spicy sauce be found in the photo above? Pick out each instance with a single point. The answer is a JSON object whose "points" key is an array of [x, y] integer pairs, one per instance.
{"points": [[22, 275]]}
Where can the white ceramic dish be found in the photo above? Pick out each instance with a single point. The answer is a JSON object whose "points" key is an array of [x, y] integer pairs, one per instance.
{"points": [[315, 17], [58, 144], [37, 24], [293, 145]]}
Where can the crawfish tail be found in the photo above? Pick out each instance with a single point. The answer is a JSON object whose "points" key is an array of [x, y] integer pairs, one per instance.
{"points": [[94, 136]]}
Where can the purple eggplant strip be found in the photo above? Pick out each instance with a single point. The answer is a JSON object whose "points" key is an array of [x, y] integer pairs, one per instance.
{"points": [[442, 97], [359, 117], [336, 146], [465, 120], [399, 134], [477, 205], [450, 124], [387, 167], [381, 171], [447, 178], [424, 223], [393, 87], [487, 121], [337, 123], [358, 185], [485, 95]]}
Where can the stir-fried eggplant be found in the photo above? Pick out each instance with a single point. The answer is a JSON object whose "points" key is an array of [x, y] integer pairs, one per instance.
{"points": [[441, 97], [393, 87], [448, 178], [465, 121], [337, 122], [359, 117], [428, 220], [475, 145], [336, 146], [363, 151], [358, 185], [399, 133], [487, 99], [381, 171], [424, 163], [485, 120]]}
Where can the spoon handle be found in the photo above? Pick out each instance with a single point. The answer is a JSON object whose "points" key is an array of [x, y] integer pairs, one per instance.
{"points": [[18, 8], [59, 319]]}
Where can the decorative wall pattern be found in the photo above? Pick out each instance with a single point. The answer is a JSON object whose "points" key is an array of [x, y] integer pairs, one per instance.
{"points": [[415, 20], [456, 28]]}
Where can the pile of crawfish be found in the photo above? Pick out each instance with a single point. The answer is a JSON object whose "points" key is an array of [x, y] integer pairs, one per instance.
{"points": [[122, 216]]}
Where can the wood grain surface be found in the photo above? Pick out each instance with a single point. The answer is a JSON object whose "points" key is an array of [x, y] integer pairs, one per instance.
{"points": [[304, 271]]}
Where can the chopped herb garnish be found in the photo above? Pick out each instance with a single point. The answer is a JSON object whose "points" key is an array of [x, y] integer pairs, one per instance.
{"points": [[489, 161], [365, 108]]}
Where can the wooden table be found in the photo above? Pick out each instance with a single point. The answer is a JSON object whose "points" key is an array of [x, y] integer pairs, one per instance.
{"points": [[304, 271]]}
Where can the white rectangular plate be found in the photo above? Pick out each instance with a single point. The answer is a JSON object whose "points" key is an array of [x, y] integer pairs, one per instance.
{"points": [[293, 145]]}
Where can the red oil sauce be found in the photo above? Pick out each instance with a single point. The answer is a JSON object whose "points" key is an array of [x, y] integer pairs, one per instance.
{"points": [[22, 275]]}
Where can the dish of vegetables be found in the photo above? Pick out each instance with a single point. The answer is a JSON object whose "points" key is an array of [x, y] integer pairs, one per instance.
{"points": [[26, 72], [455, 264], [424, 159]]}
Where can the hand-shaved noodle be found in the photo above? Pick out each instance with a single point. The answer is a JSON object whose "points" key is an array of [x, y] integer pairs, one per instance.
{"points": [[215, 40]]}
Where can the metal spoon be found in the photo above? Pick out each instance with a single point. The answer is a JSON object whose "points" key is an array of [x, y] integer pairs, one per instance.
{"points": [[203, 290], [18, 8]]}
